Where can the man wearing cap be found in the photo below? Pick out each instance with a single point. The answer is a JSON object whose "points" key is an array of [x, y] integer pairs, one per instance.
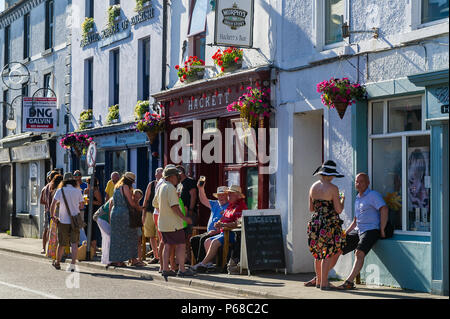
{"points": [[217, 208], [170, 222], [236, 204], [70, 203]]}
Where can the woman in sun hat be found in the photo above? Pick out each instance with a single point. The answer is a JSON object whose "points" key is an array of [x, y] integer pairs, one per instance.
{"points": [[229, 220], [325, 236]]}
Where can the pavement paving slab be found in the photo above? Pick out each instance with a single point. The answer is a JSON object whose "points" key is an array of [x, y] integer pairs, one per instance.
{"points": [[263, 284]]}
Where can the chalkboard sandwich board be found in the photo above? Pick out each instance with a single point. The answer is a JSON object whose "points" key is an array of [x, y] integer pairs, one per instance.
{"points": [[262, 245]]}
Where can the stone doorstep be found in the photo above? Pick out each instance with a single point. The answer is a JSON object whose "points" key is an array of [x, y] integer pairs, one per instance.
{"points": [[144, 274]]}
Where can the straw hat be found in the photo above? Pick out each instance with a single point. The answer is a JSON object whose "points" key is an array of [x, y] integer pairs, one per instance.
{"points": [[170, 171], [220, 190], [235, 189], [129, 175], [328, 168]]}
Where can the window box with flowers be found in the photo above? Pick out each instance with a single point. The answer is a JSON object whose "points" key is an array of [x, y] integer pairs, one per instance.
{"points": [[113, 14], [113, 115], [77, 142], [340, 93], [253, 105], [140, 109], [141, 5], [151, 124], [86, 120], [228, 60], [189, 73], [87, 26]]}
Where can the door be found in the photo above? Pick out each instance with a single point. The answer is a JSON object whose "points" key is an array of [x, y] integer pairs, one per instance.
{"points": [[6, 197]]}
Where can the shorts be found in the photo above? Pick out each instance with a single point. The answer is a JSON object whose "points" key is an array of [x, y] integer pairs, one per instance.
{"points": [[174, 237], [149, 226], [221, 238], [363, 243], [67, 235], [46, 220]]}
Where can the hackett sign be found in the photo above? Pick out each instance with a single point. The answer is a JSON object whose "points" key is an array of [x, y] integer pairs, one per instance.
{"points": [[234, 23]]}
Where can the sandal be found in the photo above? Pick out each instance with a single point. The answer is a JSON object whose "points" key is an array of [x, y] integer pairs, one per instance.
{"points": [[347, 285], [139, 264], [310, 283], [329, 287], [56, 265]]}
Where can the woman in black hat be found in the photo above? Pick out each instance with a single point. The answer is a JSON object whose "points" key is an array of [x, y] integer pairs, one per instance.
{"points": [[325, 236]]}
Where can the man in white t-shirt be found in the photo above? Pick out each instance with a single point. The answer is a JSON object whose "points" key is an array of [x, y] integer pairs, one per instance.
{"points": [[66, 233]]}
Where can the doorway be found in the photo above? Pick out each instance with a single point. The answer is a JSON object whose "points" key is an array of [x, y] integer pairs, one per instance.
{"points": [[5, 197], [308, 154]]}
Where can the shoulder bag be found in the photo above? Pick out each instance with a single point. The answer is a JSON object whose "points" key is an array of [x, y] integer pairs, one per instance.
{"points": [[135, 216], [76, 221]]}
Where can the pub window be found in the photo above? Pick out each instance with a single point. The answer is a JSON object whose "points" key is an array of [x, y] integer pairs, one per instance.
{"points": [[26, 35], [49, 24], [197, 28], [399, 157], [432, 10], [89, 83], [115, 70], [89, 8], [145, 68], [7, 53], [334, 18]]}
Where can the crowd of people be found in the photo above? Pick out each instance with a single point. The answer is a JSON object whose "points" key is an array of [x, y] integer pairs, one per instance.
{"points": [[168, 210]]}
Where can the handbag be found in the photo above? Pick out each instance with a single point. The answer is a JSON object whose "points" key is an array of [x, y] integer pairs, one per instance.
{"points": [[76, 221], [135, 216]]}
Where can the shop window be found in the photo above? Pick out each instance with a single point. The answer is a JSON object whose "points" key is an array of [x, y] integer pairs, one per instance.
{"points": [[115, 78], [89, 83], [119, 161], [144, 68], [252, 188], [89, 8], [399, 161], [432, 10]]}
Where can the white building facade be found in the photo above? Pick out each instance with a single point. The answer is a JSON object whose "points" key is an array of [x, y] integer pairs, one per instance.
{"points": [[399, 40]]}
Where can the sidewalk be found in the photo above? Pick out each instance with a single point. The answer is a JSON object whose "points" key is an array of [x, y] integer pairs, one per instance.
{"points": [[259, 285]]}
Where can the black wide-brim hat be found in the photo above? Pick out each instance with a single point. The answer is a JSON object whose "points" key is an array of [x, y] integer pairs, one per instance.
{"points": [[328, 168]]}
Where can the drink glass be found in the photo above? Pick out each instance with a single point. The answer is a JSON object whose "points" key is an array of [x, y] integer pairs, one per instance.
{"points": [[201, 180]]}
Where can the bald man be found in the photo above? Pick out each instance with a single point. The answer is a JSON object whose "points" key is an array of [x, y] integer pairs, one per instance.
{"points": [[109, 191], [371, 214]]}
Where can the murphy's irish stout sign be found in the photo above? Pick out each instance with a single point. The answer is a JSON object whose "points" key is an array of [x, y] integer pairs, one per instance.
{"points": [[234, 23], [39, 114]]}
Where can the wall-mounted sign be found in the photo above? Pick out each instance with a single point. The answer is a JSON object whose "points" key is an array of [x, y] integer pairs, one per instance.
{"points": [[234, 23], [118, 31], [34, 151], [39, 114]]}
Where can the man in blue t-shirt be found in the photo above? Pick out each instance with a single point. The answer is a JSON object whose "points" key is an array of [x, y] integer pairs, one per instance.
{"points": [[371, 214], [217, 208]]}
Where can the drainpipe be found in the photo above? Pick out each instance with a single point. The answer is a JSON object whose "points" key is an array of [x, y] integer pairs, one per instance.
{"points": [[164, 48]]}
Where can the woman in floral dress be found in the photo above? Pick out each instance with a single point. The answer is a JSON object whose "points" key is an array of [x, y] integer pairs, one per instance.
{"points": [[325, 235]]}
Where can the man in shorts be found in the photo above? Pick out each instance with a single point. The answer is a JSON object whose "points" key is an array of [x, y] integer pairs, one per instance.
{"points": [[170, 222], [371, 213]]}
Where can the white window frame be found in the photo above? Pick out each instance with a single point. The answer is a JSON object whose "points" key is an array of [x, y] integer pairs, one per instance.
{"points": [[415, 18], [319, 26], [404, 135]]}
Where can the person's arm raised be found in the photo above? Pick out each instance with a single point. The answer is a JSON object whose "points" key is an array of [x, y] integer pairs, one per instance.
{"points": [[202, 196]]}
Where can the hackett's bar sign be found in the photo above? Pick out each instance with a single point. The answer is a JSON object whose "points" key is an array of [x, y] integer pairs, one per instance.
{"points": [[234, 23]]}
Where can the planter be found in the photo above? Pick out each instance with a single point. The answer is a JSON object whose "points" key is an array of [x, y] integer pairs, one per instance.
{"points": [[152, 136], [231, 68], [195, 77], [341, 107], [114, 121]]}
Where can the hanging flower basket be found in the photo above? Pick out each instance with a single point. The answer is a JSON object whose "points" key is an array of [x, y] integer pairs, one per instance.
{"points": [[340, 93], [77, 142], [188, 73], [252, 106], [151, 124], [228, 60]]}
